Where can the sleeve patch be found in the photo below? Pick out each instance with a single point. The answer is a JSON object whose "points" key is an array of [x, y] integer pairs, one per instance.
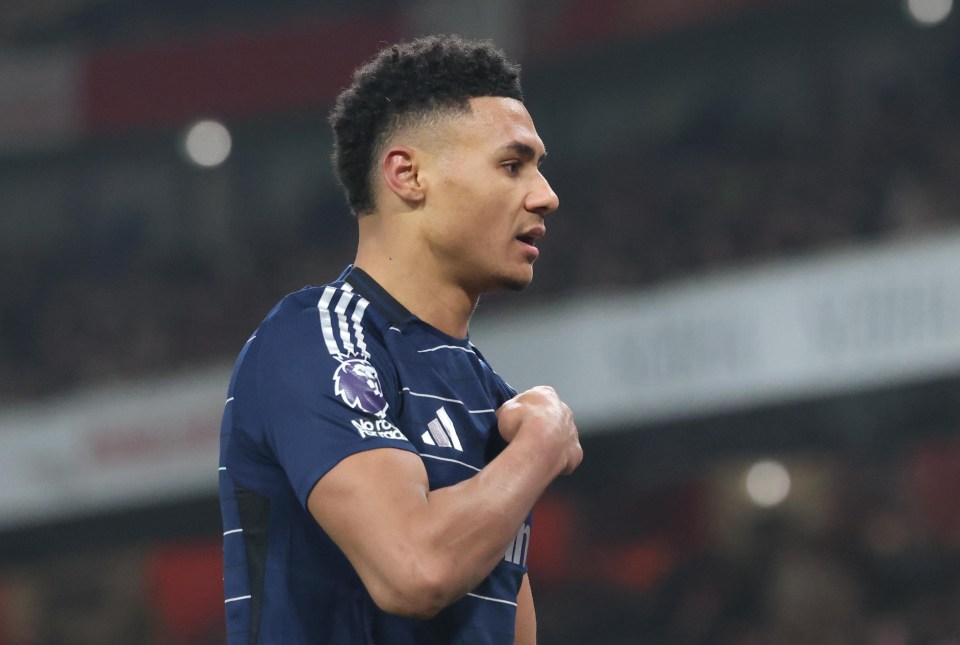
{"points": [[357, 384]]}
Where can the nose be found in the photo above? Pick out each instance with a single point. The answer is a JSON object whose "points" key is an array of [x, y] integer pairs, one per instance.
{"points": [[542, 200]]}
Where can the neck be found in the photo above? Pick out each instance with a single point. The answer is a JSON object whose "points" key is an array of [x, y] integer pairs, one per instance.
{"points": [[413, 277]]}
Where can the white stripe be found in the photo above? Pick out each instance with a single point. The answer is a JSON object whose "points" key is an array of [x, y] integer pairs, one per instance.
{"points": [[453, 461], [228, 400], [441, 398], [394, 329], [236, 599], [326, 324], [357, 329], [347, 287], [437, 433], [488, 598], [343, 323], [448, 426], [222, 468], [250, 339], [226, 533], [433, 349], [431, 396]]}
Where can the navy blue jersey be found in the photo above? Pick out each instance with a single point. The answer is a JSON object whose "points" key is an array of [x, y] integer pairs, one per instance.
{"points": [[330, 372]]}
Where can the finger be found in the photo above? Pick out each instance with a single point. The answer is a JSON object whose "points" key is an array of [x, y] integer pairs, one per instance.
{"points": [[507, 407], [575, 460]]}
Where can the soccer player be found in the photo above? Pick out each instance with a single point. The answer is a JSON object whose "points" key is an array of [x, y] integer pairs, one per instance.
{"points": [[376, 475]]}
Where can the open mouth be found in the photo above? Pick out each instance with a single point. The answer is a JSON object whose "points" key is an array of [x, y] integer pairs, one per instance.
{"points": [[528, 239]]}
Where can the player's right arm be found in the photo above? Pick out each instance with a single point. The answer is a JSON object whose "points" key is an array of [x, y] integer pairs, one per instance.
{"points": [[418, 550]]}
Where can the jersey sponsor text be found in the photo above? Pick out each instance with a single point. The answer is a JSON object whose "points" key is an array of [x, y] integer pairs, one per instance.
{"points": [[517, 550], [379, 428]]}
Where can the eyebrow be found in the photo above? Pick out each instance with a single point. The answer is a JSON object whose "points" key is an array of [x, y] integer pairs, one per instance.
{"points": [[524, 150]]}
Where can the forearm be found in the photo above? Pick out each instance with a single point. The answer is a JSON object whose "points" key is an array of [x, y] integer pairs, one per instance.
{"points": [[469, 525], [526, 624]]}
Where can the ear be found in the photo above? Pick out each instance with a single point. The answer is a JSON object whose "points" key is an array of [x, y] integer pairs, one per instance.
{"points": [[401, 172]]}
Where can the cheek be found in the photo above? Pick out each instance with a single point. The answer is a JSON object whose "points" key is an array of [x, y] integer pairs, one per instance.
{"points": [[487, 221], [475, 209]]}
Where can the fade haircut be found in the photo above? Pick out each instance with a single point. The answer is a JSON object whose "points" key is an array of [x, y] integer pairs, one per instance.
{"points": [[409, 84]]}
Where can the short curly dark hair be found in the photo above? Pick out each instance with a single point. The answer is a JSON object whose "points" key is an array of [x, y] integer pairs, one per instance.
{"points": [[406, 83]]}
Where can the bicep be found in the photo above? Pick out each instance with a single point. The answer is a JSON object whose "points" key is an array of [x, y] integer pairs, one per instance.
{"points": [[526, 628], [367, 504]]}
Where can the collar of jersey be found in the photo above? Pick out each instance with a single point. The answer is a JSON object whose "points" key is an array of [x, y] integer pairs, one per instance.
{"points": [[396, 313]]}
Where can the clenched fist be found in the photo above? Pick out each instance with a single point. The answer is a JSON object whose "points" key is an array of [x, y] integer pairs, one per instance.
{"points": [[540, 411]]}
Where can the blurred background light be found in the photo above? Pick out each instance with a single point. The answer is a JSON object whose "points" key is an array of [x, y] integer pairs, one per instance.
{"points": [[928, 13], [207, 143], [767, 483]]}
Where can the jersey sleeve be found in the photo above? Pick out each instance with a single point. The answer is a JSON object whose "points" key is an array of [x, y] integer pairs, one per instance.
{"points": [[326, 391]]}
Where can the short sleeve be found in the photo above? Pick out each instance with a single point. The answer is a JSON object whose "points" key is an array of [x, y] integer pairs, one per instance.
{"points": [[319, 402]]}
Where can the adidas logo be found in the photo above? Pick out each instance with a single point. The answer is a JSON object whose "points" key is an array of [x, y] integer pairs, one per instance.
{"points": [[440, 432]]}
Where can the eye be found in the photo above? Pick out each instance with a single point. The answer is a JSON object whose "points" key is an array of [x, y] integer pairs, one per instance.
{"points": [[512, 167]]}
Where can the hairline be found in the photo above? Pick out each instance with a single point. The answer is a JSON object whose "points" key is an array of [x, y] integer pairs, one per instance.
{"points": [[416, 120]]}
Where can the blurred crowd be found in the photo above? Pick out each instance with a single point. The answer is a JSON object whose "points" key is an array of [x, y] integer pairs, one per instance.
{"points": [[791, 591], [877, 564], [726, 192]]}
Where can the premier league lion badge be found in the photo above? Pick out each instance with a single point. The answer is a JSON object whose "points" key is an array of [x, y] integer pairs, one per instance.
{"points": [[357, 383]]}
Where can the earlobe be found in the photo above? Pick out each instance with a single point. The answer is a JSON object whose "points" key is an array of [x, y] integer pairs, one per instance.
{"points": [[401, 174]]}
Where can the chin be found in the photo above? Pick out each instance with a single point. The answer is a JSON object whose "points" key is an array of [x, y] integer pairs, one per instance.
{"points": [[515, 283]]}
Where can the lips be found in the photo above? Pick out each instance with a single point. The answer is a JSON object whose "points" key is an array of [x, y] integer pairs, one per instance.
{"points": [[529, 239], [532, 235]]}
